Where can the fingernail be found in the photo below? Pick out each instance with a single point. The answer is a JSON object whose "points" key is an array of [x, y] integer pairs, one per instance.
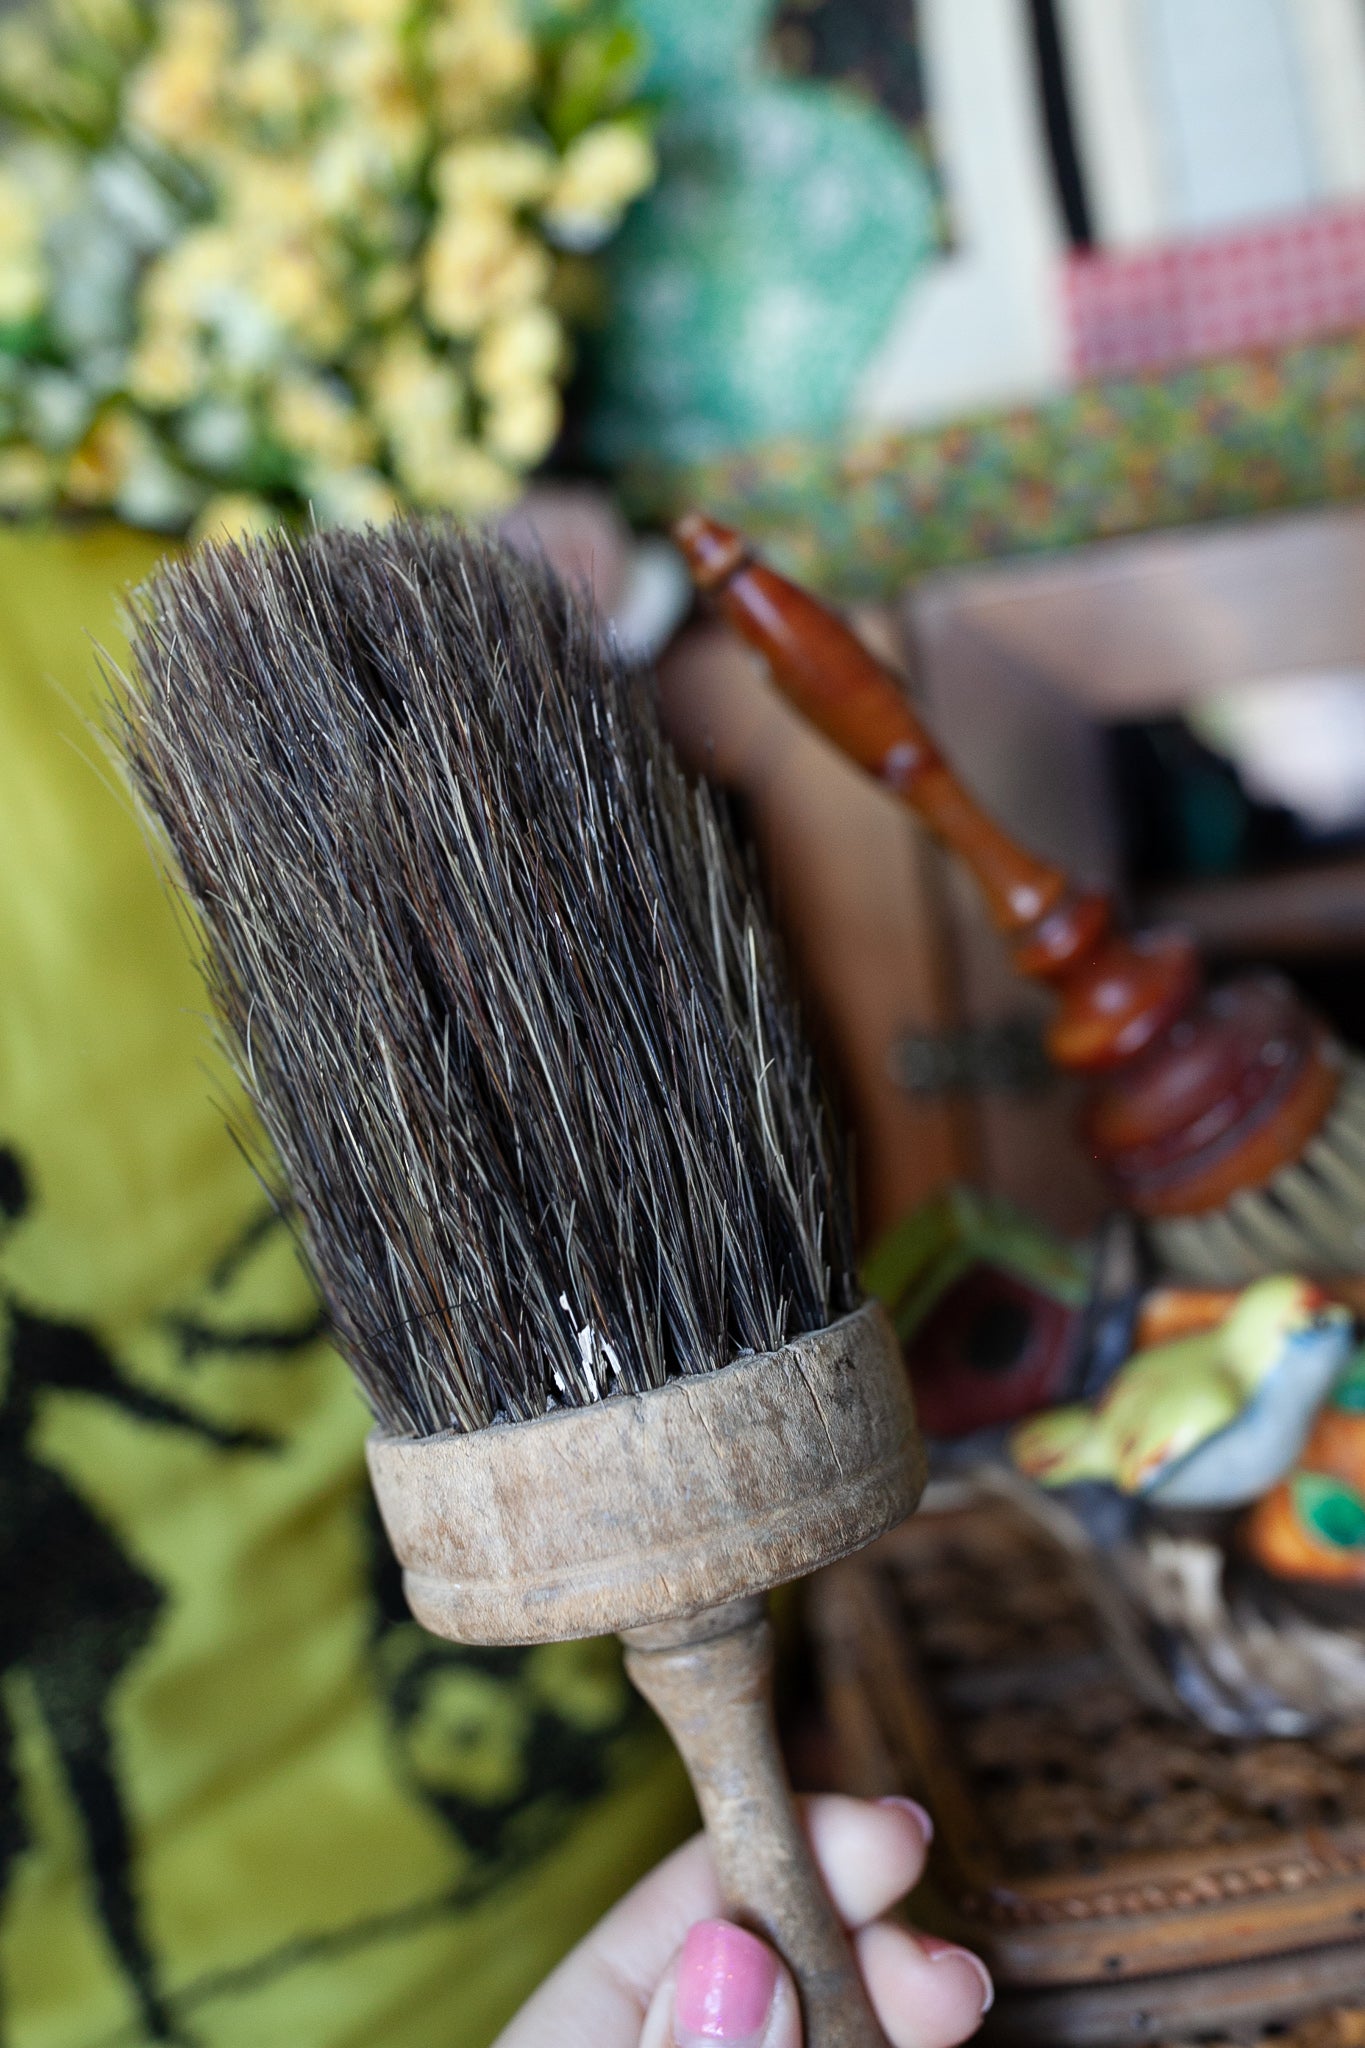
{"points": [[948, 1951], [726, 1981], [923, 1820]]}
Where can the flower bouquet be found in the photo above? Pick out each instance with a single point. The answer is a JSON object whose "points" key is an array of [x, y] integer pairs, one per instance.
{"points": [[320, 258]]}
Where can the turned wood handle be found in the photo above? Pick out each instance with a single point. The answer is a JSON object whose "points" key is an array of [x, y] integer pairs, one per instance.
{"points": [[710, 1682], [1117, 993]]}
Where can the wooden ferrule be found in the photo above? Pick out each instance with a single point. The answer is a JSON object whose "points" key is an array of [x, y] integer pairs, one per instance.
{"points": [[666, 1517]]}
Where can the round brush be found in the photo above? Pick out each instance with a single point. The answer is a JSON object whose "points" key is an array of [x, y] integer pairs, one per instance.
{"points": [[499, 985], [1228, 1117]]}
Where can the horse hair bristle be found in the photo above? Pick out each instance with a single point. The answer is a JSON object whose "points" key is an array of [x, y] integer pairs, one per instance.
{"points": [[493, 972]]}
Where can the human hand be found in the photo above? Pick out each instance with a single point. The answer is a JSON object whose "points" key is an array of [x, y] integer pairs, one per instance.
{"points": [[663, 1971]]}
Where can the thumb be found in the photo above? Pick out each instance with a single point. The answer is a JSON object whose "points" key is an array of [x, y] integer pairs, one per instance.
{"points": [[724, 1989]]}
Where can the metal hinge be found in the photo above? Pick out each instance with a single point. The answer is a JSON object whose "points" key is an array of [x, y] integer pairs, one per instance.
{"points": [[975, 1059]]}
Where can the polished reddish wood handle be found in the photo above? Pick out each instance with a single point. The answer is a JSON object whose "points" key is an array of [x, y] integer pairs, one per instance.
{"points": [[1117, 994], [829, 675]]}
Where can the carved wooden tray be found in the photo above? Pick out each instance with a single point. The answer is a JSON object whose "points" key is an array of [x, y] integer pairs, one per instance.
{"points": [[1127, 1875]]}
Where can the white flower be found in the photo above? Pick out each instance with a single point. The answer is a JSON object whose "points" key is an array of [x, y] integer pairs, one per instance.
{"points": [[93, 267], [415, 393], [275, 80], [130, 195], [58, 407], [173, 97], [217, 434], [244, 277], [154, 492]]}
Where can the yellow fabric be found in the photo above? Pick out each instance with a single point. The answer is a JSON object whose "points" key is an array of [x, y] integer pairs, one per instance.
{"points": [[338, 1831]]}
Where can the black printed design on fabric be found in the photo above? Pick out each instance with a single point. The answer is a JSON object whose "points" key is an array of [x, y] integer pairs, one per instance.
{"points": [[75, 1609], [211, 1331], [505, 1746]]}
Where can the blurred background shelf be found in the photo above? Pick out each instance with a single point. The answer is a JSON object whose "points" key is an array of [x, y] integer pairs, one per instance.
{"points": [[1304, 911], [1033, 673]]}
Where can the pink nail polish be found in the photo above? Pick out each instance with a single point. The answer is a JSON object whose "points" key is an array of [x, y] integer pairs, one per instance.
{"points": [[923, 1820], [726, 1981], [939, 1951]]}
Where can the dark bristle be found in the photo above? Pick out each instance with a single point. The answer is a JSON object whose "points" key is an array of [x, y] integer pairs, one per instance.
{"points": [[493, 972]]}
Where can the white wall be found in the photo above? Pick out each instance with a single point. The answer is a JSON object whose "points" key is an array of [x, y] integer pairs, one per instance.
{"points": [[983, 326]]}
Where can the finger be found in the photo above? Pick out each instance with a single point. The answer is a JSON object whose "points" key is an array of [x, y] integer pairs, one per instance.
{"points": [[869, 1856], [727, 1987], [600, 1993], [611, 1976], [927, 1993]]}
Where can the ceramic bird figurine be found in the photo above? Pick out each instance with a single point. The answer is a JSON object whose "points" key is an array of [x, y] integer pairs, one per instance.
{"points": [[1311, 1527], [1204, 1421]]}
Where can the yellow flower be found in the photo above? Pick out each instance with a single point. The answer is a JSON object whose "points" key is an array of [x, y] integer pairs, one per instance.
{"points": [[173, 97], [27, 480], [291, 282], [419, 399], [387, 291], [480, 56], [523, 347], [99, 468], [268, 195], [455, 476], [599, 175], [521, 423], [267, 306], [384, 15], [480, 264], [415, 393], [347, 167], [315, 420], [166, 368], [234, 515], [23, 272], [249, 285], [274, 81], [370, 76], [497, 170], [352, 497]]}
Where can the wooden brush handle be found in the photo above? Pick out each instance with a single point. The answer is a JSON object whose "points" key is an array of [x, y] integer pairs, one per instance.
{"points": [[1117, 993], [710, 1682]]}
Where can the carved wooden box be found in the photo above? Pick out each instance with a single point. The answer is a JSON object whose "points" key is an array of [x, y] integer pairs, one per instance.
{"points": [[1128, 1875]]}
